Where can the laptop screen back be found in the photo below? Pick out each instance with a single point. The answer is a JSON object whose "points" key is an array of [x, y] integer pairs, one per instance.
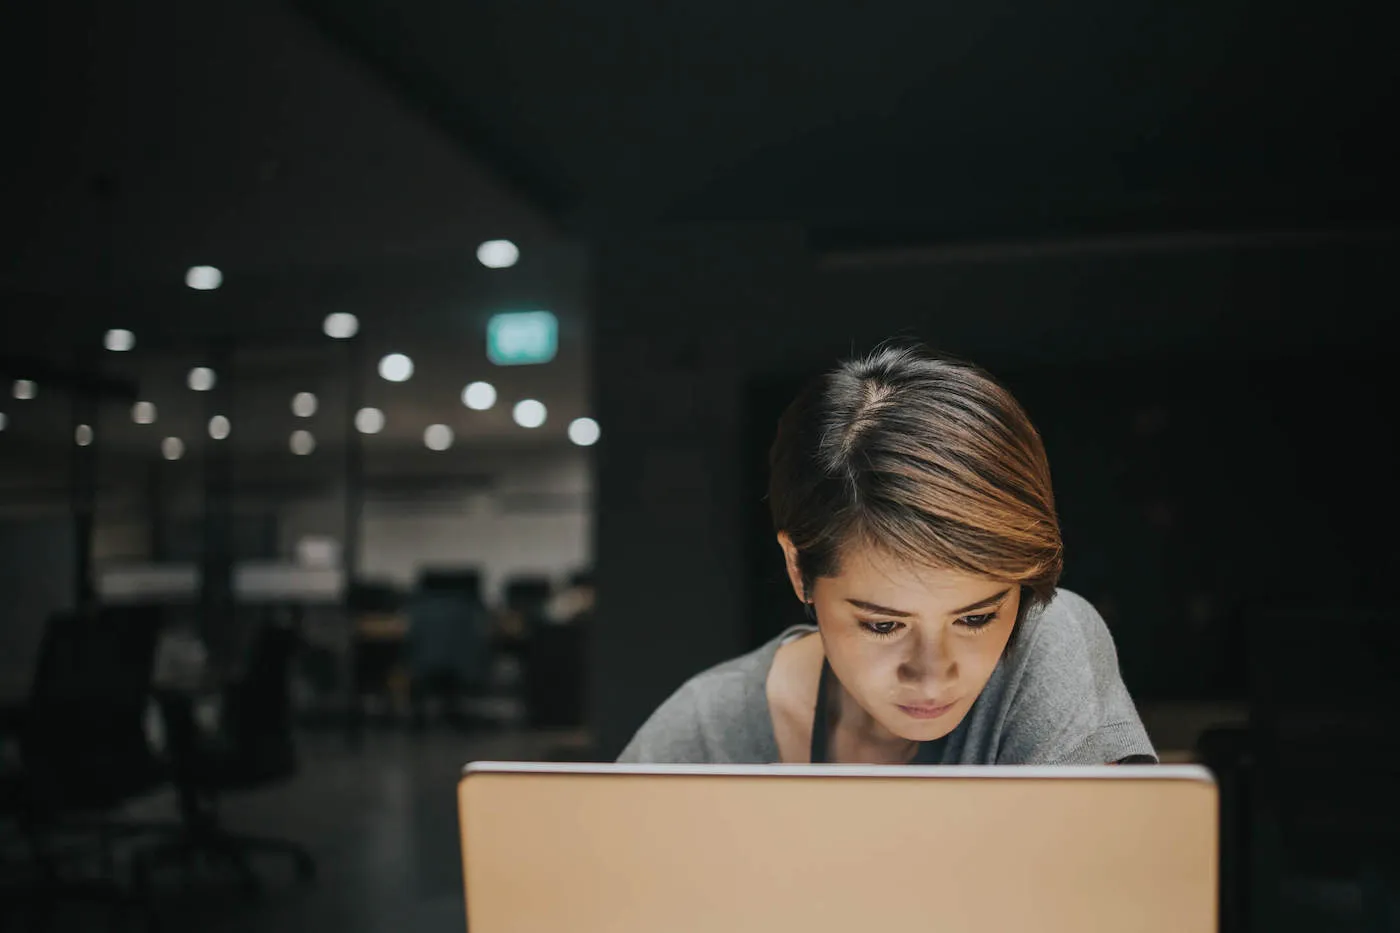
{"points": [[588, 849]]}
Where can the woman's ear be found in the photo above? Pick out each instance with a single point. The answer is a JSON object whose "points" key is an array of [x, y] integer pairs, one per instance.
{"points": [[793, 569]]}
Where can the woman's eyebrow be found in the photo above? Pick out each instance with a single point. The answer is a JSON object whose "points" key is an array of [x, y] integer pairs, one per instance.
{"points": [[981, 604], [878, 609], [901, 614]]}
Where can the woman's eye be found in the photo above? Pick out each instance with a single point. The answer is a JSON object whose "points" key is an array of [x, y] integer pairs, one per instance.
{"points": [[980, 621], [880, 628]]}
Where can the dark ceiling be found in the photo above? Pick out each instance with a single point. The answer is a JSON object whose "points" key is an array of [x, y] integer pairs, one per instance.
{"points": [[909, 121], [349, 155], [152, 136], [158, 134]]}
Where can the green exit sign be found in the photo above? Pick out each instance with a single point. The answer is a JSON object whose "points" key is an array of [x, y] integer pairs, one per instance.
{"points": [[522, 338]]}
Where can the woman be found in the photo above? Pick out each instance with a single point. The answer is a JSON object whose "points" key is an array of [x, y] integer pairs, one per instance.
{"points": [[912, 501]]}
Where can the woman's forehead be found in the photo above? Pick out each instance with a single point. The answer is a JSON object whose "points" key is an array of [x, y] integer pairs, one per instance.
{"points": [[866, 567]]}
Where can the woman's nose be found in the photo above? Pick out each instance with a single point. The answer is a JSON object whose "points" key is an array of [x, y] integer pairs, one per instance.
{"points": [[929, 662]]}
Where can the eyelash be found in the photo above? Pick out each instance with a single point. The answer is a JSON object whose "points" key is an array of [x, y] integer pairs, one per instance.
{"points": [[973, 623]]}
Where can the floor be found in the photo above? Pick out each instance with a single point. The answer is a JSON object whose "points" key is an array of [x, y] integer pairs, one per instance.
{"points": [[381, 822]]}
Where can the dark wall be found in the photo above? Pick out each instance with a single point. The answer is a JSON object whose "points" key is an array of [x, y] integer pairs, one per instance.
{"points": [[1194, 493], [1210, 415], [37, 566]]}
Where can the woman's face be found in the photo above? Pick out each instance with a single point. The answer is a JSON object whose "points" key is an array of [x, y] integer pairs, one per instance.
{"points": [[913, 646]]}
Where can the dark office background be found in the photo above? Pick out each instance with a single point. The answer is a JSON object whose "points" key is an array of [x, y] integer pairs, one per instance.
{"points": [[1172, 230]]}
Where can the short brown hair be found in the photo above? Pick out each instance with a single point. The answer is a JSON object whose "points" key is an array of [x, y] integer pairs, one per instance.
{"points": [[927, 458]]}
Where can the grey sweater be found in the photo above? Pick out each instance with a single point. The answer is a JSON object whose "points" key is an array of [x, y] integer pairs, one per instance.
{"points": [[1056, 697]]}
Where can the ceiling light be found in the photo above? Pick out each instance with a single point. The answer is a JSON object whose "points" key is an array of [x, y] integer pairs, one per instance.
{"points": [[438, 437], [584, 432], [118, 340], [302, 443], [25, 388], [201, 379], [143, 413], [219, 427], [304, 404], [396, 368], [203, 278], [529, 413], [479, 396], [369, 421], [498, 254], [82, 435], [341, 325], [172, 448]]}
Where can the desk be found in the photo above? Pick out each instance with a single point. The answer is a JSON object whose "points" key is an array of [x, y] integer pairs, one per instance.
{"points": [[380, 638], [381, 626]]}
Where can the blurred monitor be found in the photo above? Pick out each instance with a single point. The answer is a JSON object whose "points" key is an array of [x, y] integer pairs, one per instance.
{"points": [[626, 849], [148, 583], [527, 594], [276, 581], [375, 596], [461, 581], [321, 552]]}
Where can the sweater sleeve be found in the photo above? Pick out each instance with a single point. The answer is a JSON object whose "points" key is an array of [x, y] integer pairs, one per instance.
{"points": [[1070, 705], [672, 734]]}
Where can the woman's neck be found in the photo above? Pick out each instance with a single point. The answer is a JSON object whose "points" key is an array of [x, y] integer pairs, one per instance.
{"points": [[853, 735], [857, 737]]}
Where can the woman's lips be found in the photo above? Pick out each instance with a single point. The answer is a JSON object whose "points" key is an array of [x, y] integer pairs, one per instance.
{"points": [[927, 710]]}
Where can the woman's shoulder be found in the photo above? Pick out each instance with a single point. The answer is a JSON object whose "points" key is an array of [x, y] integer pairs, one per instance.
{"points": [[1068, 603], [718, 715], [1068, 622], [749, 670], [1064, 643], [1064, 686]]}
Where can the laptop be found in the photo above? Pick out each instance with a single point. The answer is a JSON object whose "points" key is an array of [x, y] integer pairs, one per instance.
{"points": [[577, 848]]}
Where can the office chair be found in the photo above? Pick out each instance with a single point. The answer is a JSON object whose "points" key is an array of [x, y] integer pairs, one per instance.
{"points": [[252, 747], [448, 647], [527, 595], [376, 655], [556, 657], [83, 748]]}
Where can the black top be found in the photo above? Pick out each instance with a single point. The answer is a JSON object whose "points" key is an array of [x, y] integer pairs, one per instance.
{"points": [[929, 753]]}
